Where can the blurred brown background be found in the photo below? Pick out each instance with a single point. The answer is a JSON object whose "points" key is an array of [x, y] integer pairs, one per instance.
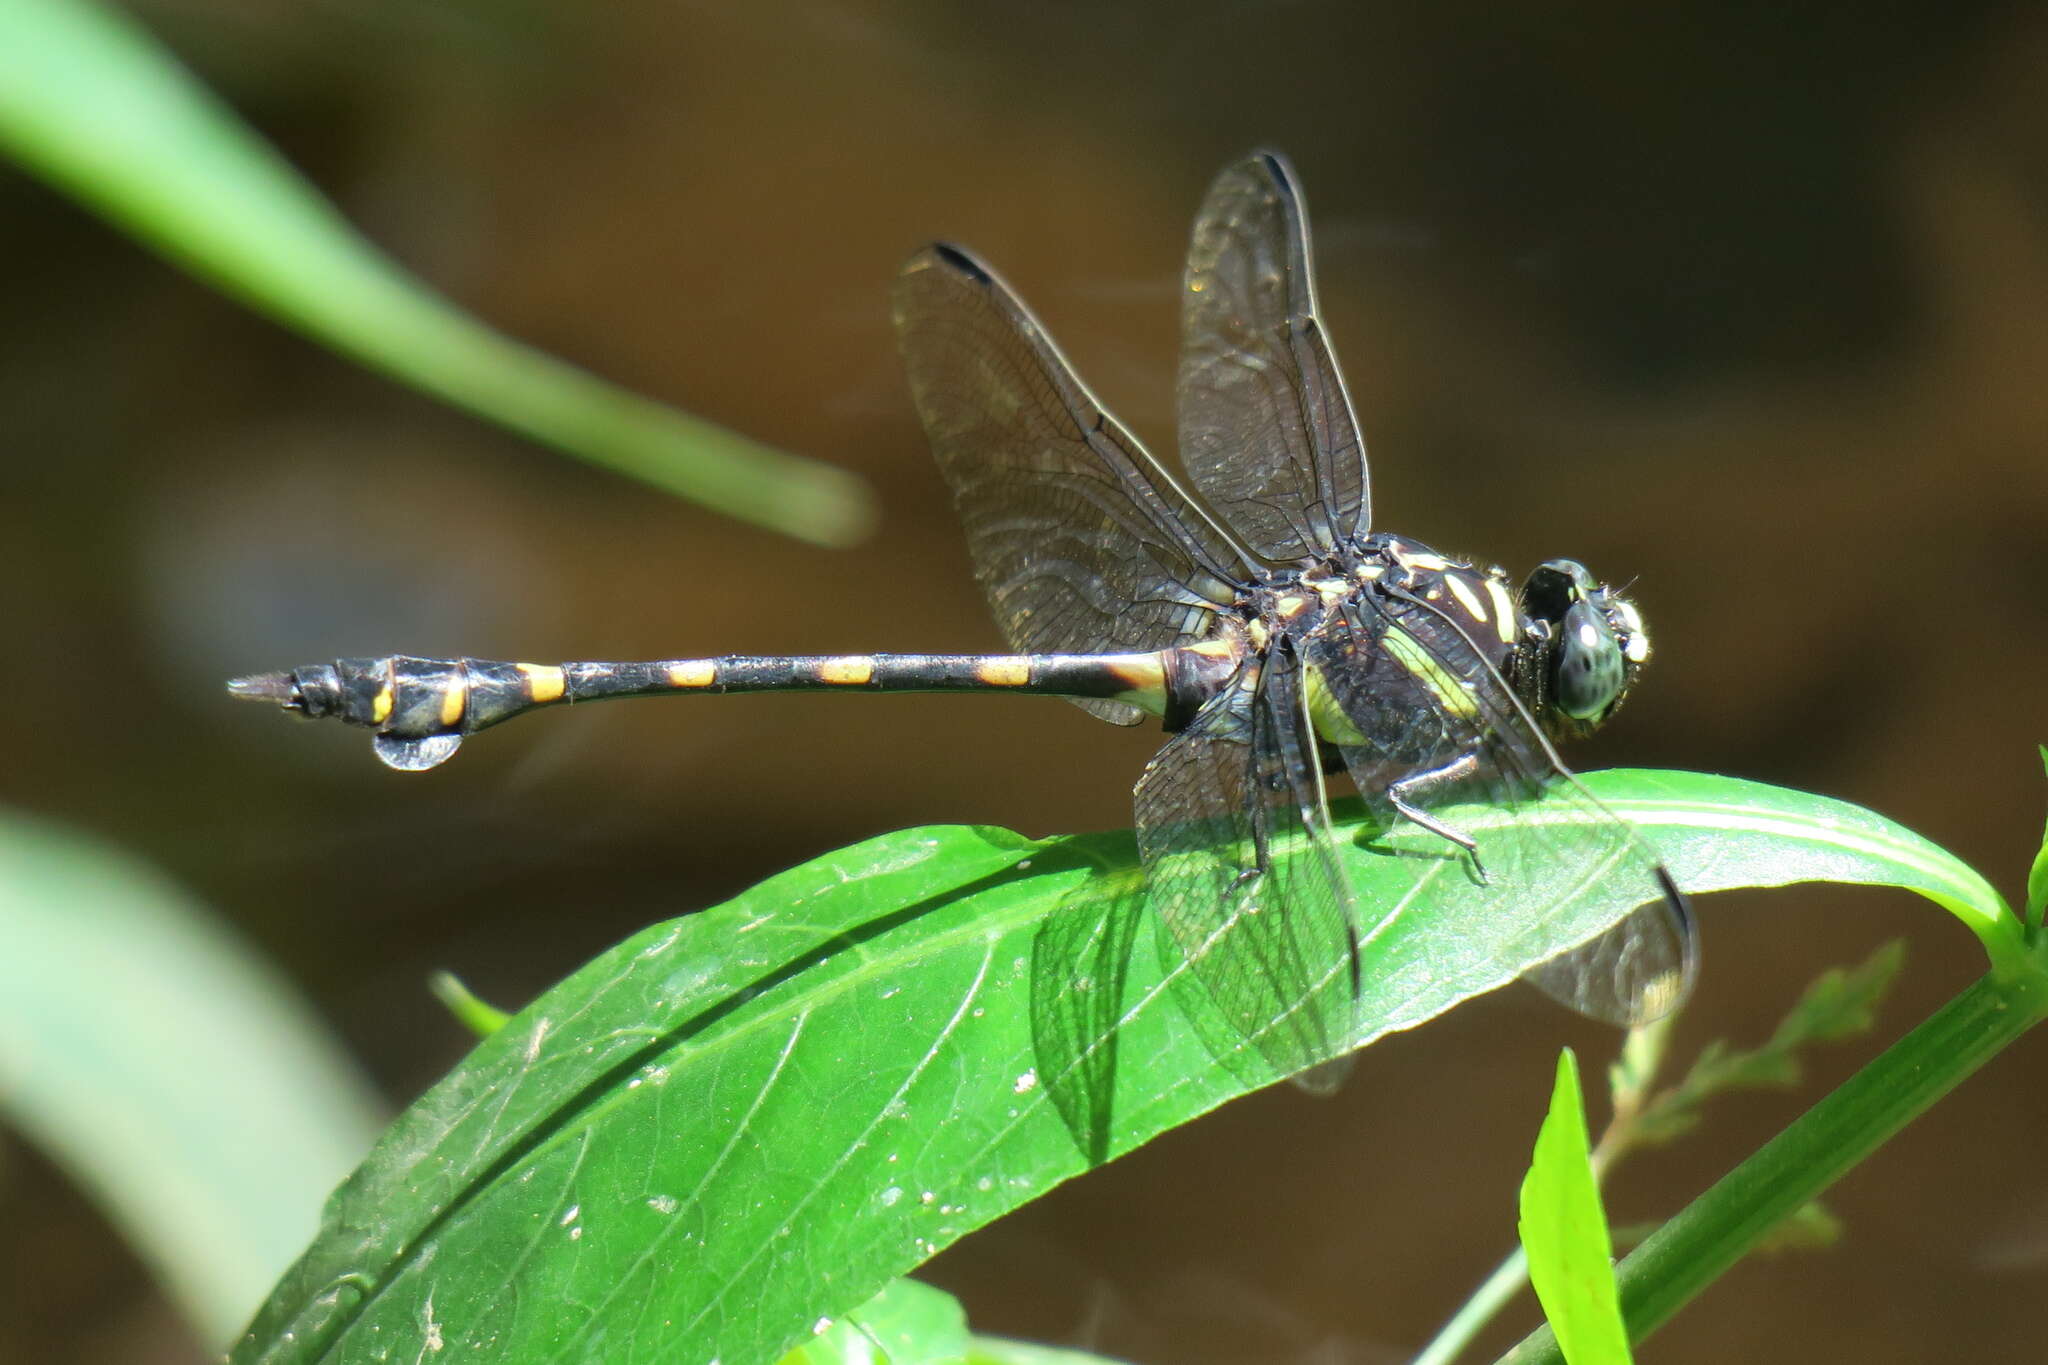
{"points": [[1746, 304]]}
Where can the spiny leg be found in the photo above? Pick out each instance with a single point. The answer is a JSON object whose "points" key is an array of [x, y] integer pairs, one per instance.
{"points": [[1404, 793]]}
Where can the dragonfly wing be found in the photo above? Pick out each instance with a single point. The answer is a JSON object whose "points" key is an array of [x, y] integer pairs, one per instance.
{"points": [[1266, 429], [1638, 971], [1241, 865], [1427, 697], [1080, 962], [1080, 541]]}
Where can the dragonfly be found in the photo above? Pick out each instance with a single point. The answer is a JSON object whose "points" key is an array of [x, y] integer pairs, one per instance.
{"points": [[1278, 638]]}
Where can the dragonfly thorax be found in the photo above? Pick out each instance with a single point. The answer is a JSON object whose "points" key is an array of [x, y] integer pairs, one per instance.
{"points": [[1566, 646]]}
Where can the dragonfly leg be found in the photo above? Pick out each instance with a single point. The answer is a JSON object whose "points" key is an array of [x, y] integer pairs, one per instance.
{"points": [[1408, 790]]}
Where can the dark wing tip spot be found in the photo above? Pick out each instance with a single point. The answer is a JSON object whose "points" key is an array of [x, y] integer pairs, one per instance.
{"points": [[958, 259], [1275, 165], [1681, 906]]}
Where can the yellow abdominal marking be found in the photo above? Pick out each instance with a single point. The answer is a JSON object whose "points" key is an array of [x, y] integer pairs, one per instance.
{"points": [[693, 673], [544, 682], [380, 706], [1003, 672], [1503, 610], [852, 671], [453, 698], [1143, 676], [1427, 670]]}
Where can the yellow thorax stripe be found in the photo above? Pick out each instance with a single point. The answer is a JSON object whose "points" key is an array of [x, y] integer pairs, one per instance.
{"points": [[1328, 718], [1428, 670]]}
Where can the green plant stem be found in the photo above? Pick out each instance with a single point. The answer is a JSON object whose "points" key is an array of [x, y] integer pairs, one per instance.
{"points": [[1508, 1279], [1722, 1225]]}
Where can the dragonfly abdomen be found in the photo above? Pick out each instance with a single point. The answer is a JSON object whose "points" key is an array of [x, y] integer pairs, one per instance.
{"points": [[421, 708]]}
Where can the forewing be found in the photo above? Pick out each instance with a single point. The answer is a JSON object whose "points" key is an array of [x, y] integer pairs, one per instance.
{"points": [[1266, 429], [1080, 542], [1422, 705], [1241, 866]]}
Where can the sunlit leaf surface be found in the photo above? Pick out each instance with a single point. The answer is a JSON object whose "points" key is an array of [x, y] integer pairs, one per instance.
{"points": [[906, 1324], [738, 1124]]}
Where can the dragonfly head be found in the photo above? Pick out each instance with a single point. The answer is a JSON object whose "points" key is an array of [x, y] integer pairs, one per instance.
{"points": [[1582, 647]]}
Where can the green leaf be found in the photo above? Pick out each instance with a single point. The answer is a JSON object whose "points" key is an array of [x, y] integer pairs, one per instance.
{"points": [[167, 1070], [735, 1124], [906, 1324], [1564, 1232], [2037, 875], [1718, 833], [91, 103], [998, 1351]]}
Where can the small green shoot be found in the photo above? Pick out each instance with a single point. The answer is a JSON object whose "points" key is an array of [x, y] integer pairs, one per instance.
{"points": [[2037, 875], [1564, 1232], [476, 1015], [1840, 1003]]}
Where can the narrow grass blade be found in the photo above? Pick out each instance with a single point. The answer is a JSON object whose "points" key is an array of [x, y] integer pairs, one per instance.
{"points": [[164, 1067], [91, 103]]}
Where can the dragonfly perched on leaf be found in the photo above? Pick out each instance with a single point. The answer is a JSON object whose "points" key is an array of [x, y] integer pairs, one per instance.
{"points": [[1279, 638]]}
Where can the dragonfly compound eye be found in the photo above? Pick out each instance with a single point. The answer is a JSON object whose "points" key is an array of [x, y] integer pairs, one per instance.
{"points": [[1588, 671], [1587, 644]]}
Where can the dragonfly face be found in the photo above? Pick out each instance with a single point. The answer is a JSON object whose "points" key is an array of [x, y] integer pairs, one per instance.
{"points": [[1278, 635], [1584, 644]]}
